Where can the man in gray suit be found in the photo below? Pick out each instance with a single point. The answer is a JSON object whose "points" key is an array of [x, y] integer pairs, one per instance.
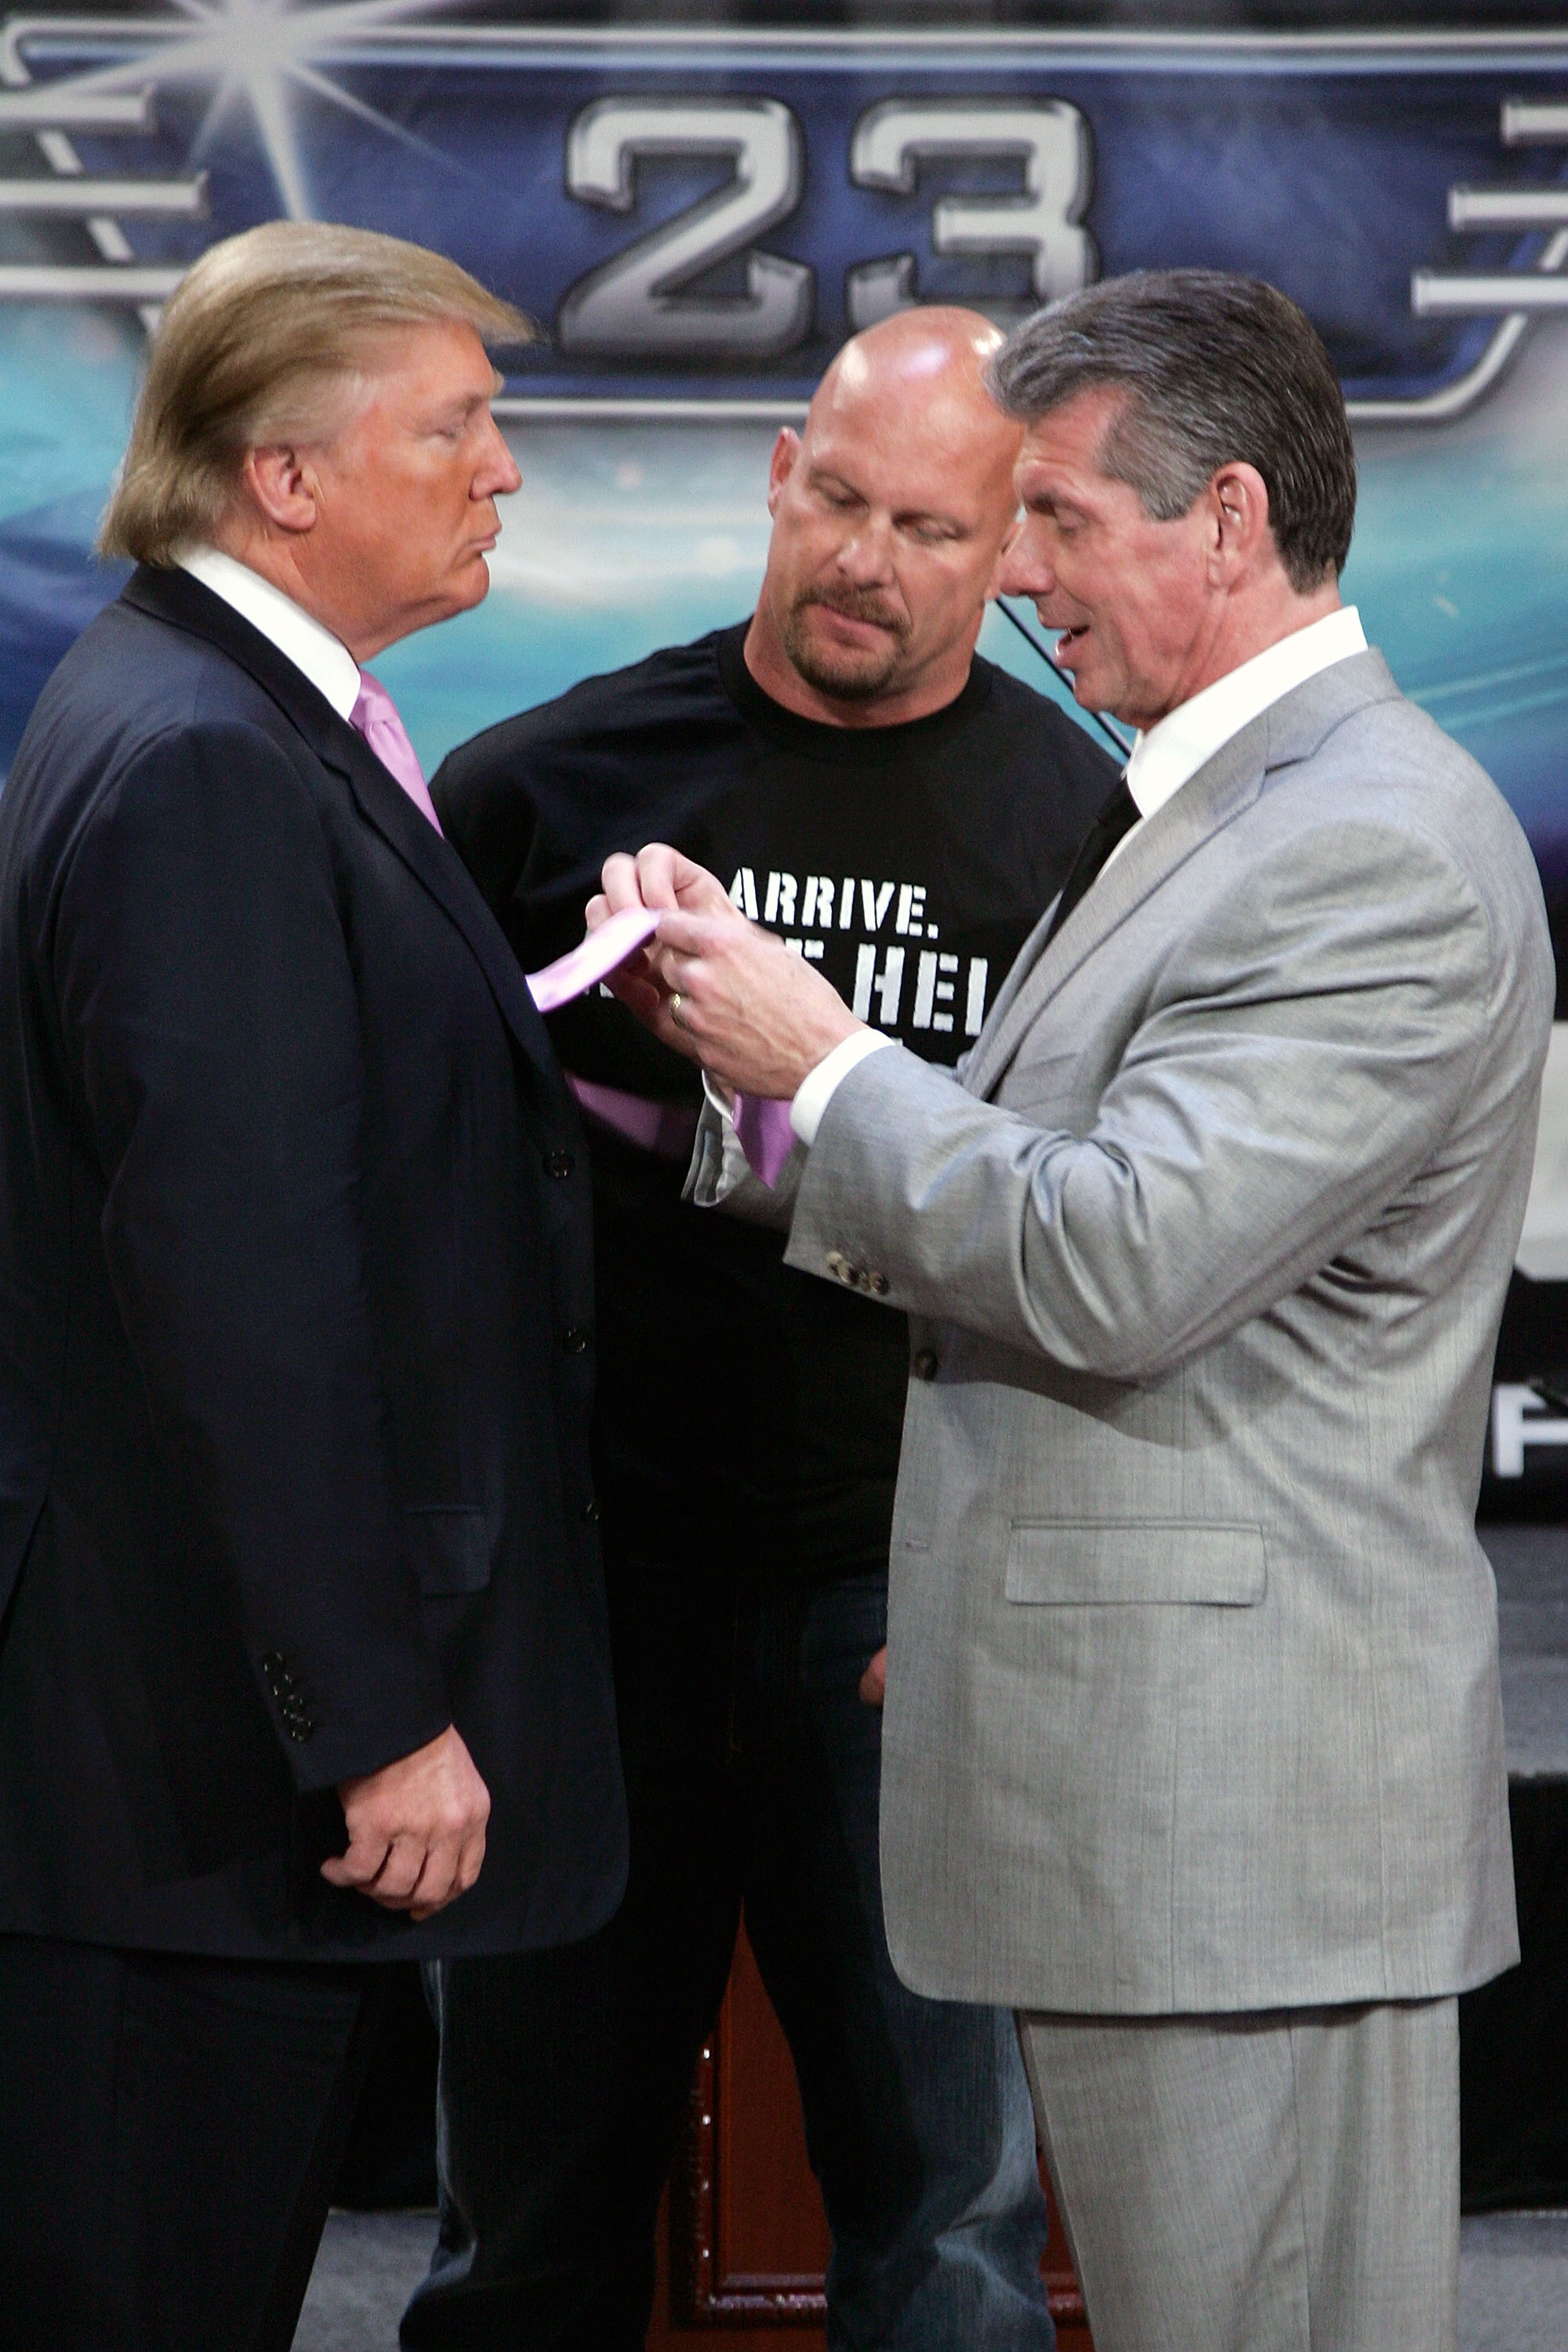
{"points": [[1193, 1748]]}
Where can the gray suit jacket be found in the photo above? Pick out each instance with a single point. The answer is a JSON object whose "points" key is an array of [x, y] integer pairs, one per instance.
{"points": [[1193, 1697]]}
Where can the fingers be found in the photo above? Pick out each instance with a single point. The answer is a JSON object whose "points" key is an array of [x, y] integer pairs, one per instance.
{"points": [[648, 879], [696, 955], [638, 993], [688, 934], [359, 1867], [408, 1876], [447, 1875], [621, 887], [405, 1876], [688, 895], [722, 990], [697, 892], [661, 877], [873, 1684], [390, 1871], [647, 982], [416, 1830]]}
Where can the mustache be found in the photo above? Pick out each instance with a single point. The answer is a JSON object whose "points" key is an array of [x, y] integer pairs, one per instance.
{"points": [[857, 605]]}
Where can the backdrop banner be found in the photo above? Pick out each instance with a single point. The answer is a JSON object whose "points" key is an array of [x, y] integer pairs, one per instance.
{"points": [[696, 220]]}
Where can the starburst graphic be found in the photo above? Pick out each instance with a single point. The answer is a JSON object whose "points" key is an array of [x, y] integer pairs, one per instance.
{"points": [[258, 59], [262, 57]]}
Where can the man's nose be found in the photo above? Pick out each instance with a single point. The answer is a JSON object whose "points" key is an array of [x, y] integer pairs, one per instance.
{"points": [[497, 473], [1024, 570], [866, 555]]}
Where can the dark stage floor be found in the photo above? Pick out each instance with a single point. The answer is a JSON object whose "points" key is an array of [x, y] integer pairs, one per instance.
{"points": [[1513, 2292]]}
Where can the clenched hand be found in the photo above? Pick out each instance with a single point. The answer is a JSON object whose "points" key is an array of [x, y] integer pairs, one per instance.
{"points": [[416, 1830]]}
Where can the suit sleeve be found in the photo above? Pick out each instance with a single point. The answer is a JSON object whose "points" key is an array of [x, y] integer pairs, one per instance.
{"points": [[1297, 1063], [213, 1026]]}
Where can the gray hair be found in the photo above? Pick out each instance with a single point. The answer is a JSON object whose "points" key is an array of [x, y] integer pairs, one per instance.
{"points": [[1217, 370], [268, 338]]}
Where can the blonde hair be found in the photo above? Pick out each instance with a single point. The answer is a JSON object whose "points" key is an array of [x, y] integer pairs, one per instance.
{"points": [[266, 339]]}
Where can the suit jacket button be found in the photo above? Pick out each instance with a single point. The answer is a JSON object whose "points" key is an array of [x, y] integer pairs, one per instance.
{"points": [[575, 1341], [558, 1163], [924, 1364], [879, 1284], [591, 1511], [838, 1264]]}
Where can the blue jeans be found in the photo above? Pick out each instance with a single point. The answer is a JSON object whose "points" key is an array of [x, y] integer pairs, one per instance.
{"points": [[753, 1770]]}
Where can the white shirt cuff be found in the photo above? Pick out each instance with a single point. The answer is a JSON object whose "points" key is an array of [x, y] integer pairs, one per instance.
{"points": [[733, 1168], [818, 1089]]}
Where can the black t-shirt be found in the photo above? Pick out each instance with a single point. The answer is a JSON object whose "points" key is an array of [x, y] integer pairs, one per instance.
{"points": [[749, 1415]]}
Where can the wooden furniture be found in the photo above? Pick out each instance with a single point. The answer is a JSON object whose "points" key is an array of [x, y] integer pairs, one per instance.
{"points": [[742, 2241]]}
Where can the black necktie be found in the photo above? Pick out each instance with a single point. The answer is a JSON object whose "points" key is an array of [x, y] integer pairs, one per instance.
{"points": [[1115, 820]]}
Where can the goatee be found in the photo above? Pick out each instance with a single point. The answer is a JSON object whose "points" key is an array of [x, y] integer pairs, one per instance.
{"points": [[845, 675]]}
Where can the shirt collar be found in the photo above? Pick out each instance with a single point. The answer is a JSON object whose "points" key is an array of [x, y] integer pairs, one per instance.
{"points": [[324, 659], [1188, 736]]}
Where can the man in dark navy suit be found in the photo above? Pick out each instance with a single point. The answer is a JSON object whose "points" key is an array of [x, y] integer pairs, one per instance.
{"points": [[303, 1631]]}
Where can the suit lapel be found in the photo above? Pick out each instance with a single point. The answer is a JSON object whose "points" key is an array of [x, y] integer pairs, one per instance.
{"points": [[1289, 730], [184, 601]]}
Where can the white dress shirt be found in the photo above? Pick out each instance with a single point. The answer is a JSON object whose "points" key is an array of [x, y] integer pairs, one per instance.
{"points": [[1171, 753], [1163, 761], [324, 659]]}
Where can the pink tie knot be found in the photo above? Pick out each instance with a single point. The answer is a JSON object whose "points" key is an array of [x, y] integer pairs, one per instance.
{"points": [[375, 716]]}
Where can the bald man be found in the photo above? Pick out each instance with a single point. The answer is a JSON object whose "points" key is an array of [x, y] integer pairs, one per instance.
{"points": [[900, 812]]}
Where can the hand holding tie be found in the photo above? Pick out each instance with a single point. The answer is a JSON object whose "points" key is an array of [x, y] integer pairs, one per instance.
{"points": [[717, 988]]}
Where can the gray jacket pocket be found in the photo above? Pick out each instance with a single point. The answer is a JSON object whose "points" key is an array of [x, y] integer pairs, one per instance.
{"points": [[1082, 1562], [448, 1547]]}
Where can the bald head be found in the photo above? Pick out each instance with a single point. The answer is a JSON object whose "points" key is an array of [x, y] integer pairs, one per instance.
{"points": [[920, 371], [890, 510]]}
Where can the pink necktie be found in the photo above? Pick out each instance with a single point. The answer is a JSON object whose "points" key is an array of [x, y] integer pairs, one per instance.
{"points": [[375, 716], [764, 1134], [762, 1126], [573, 974]]}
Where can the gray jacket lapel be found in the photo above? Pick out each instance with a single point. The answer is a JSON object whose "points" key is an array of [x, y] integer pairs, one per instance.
{"points": [[1290, 730]]}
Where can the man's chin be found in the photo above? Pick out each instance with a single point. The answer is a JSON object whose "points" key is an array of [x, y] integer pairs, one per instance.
{"points": [[844, 673], [845, 677], [844, 686], [1088, 693], [472, 584]]}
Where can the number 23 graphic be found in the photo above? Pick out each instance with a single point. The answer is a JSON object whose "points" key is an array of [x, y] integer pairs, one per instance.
{"points": [[636, 305]]}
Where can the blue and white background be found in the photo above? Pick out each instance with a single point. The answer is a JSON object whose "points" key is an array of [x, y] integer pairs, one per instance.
{"points": [[697, 220]]}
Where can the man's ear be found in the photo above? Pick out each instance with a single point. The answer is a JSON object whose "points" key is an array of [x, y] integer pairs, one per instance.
{"points": [[1238, 511], [281, 483], [787, 450]]}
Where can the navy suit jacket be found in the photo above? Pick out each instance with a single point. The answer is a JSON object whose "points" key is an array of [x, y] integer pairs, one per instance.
{"points": [[296, 1306]]}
